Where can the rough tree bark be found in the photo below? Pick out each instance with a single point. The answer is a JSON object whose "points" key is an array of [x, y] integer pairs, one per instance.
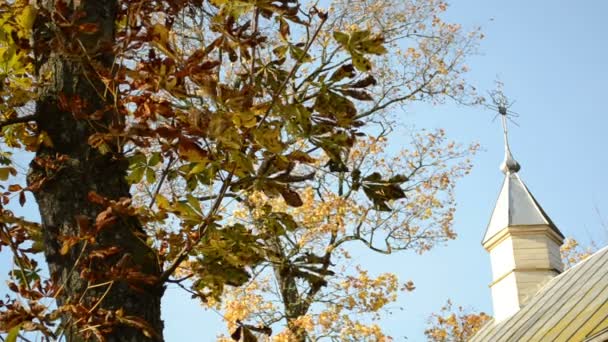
{"points": [[62, 175]]}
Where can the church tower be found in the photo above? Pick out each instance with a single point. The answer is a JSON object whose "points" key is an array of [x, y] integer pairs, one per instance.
{"points": [[523, 243]]}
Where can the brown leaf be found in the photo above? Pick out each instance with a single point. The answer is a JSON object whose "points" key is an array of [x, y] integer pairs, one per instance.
{"points": [[22, 198], [96, 198], [104, 219], [347, 70], [83, 224], [236, 335], [68, 243], [291, 197], [358, 94], [301, 157], [248, 336], [284, 28], [88, 28], [104, 253], [364, 83], [14, 187], [191, 152], [139, 323]]}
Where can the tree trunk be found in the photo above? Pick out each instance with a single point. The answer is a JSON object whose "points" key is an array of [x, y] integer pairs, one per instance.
{"points": [[68, 61]]}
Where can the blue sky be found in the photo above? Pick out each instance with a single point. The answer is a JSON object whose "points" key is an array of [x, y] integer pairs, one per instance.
{"points": [[551, 55]]}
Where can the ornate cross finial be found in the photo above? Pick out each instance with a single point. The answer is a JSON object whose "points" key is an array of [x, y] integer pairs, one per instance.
{"points": [[502, 104]]}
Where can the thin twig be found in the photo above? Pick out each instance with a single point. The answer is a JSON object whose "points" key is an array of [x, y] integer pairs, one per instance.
{"points": [[256, 16], [183, 254], [293, 70], [161, 181]]}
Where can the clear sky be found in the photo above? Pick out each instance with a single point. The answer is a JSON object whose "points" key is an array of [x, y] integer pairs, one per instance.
{"points": [[551, 55]]}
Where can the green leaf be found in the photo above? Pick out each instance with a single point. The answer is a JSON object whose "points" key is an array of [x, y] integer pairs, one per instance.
{"points": [[13, 333], [341, 38], [269, 137], [359, 36], [155, 158], [299, 55], [372, 46], [361, 63], [198, 168], [280, 51], [246, 119], [150, 175], [136, 175], [241, 164], [194, 203], [286, 220], [137, 160]]}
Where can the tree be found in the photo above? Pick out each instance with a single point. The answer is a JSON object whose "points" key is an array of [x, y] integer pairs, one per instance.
{"points": [[572, 252], [306, 284], [201, 105], [454, 325], [307, 262]]}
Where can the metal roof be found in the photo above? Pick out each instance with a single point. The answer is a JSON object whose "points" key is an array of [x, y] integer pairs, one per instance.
{"points": [[516, 207], [573, 306]]}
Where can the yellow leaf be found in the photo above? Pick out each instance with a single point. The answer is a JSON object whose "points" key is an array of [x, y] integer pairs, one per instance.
{"points": [[160, 39], [162, 202], [26, 18], [5, 172], [244, 119]]}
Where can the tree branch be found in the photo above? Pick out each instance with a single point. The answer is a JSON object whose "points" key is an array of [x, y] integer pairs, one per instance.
{"points": [[18, 120], [183, 254]]}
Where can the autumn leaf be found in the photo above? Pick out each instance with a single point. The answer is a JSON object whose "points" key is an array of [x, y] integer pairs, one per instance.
{"points": [[6, 172], [27, 17], [291, 197], [13, 333], [191, 152], [88, 28]]}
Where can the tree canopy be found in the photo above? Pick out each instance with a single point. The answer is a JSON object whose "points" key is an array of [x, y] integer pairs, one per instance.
{"points": [[202, 142]]}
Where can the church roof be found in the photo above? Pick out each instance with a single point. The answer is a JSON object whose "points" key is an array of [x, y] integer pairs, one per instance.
{"points": [[516, 207], [573, 306]]}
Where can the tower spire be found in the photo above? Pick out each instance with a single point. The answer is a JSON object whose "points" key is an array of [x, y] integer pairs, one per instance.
{"points": [[509, 164]]}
